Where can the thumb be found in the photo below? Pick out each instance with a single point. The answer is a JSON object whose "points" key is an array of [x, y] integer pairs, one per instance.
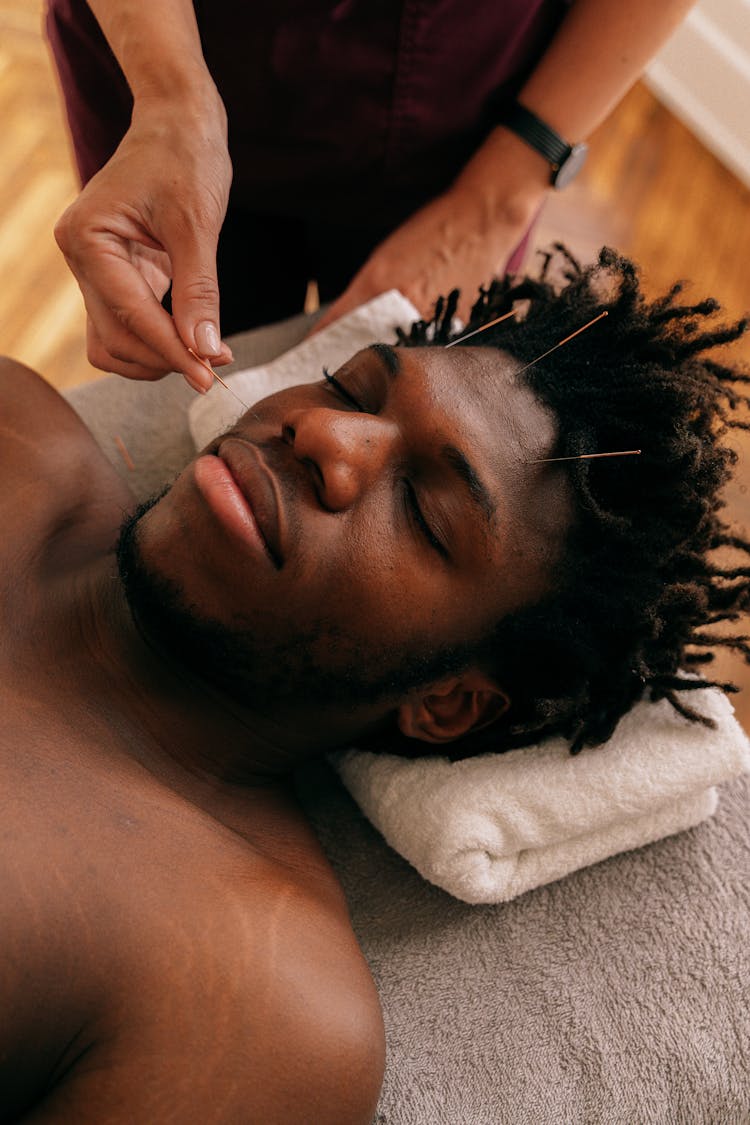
{"points": [[195, 295]]}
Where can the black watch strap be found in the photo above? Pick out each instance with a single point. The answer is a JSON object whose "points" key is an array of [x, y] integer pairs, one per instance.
{"points": [[565, 159]]}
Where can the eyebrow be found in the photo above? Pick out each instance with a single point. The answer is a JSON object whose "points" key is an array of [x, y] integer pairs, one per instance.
{"points": [[477, 489], [388, 356]]}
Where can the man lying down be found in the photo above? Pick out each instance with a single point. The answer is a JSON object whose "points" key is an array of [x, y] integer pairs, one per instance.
{"points": [[386, 557]]}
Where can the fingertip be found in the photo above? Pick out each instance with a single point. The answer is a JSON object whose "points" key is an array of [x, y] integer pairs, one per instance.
{"points": [[224, 357], [195, 385]]}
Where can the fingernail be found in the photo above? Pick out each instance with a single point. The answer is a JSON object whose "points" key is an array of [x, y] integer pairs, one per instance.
{"points": [[207, 338]]}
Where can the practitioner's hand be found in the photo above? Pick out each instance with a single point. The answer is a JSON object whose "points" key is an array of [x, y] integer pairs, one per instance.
{"points": [[443, 246], [153, 215], [462, 239]]}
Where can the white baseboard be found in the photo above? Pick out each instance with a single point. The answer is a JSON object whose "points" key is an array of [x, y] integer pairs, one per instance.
{"points": [[703, 77]]}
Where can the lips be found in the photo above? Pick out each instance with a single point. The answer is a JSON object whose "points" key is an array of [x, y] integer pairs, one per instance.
{"points": [[261, 490]]}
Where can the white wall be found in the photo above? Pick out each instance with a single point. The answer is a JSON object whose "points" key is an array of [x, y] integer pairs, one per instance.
{"points": [[703, 76]]}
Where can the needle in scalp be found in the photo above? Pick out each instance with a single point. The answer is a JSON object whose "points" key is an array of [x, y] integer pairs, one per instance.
{"points": [[484, 328], [586, 456], [572, 336], [549, 460], [578, 456]]}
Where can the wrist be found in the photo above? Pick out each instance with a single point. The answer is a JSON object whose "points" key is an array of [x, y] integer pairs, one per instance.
{"points": [[507, 180], [190, 86], [157, 46], [195, 108]]}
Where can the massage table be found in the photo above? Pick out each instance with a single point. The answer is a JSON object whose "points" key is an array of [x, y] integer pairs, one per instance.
{"points": [[619, 994]]}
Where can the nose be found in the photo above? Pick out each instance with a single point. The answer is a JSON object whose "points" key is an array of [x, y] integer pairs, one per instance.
{"points": [[346, 452]]}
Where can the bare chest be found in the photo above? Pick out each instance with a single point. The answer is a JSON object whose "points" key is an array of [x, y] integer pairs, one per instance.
{"points": [[133, 926]]}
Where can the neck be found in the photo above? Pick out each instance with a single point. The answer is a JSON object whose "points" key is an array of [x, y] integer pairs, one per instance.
{"points": [[180, 726]]}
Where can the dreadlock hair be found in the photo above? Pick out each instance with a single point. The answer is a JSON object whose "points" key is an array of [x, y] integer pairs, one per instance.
{"points": [[639, 583]]}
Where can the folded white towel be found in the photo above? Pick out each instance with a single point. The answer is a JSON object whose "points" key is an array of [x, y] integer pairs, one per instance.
{"points": [[487, 829], [492, 827], [370, 323]]}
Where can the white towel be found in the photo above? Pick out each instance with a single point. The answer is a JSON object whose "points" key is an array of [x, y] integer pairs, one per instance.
{"points": [[492, 827], [369, 324], [487, 829]]}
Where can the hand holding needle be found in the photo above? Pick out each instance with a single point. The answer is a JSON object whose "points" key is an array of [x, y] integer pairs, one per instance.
{"points": [[122, 449], [209, 368]]}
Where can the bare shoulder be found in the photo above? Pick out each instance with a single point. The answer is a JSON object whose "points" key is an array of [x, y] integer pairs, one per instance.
{"points": [[291, 1013], [325, 1040], [30, 403], [42, 435], [237, 995]]}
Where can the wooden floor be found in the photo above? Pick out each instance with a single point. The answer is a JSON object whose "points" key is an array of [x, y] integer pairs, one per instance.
{"points": [[649, 188]]}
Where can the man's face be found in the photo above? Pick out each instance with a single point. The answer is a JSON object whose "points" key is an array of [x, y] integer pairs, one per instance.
{"points": [[341, 537]]}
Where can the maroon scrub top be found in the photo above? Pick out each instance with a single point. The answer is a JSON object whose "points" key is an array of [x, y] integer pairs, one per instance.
{"points": [[337, 108]]}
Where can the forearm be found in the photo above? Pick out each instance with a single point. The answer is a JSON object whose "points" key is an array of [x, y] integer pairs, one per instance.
{"points": [[151, 216], [159, 50], [598, 53], [600, 50]]}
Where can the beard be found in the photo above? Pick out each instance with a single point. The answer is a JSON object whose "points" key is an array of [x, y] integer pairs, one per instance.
{"points": [[270, 670]]}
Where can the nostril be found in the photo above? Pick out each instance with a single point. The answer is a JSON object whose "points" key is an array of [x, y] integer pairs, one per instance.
{"points": [[288, 433], [318, 480]]}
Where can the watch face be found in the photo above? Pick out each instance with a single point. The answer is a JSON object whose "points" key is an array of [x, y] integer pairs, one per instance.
{"points": [[571, 166]]}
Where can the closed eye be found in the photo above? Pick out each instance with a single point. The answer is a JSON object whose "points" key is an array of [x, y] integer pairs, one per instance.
{"points": [[414, 510], [342, 392], [417, 517]]}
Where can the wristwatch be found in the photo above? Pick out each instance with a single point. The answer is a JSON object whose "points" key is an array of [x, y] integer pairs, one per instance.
{"points": [[566, 159]]}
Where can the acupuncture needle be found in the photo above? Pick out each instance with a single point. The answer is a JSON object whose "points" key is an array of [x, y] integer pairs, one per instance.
{"points": [[208, 367], [484, 328], [586, 456], [122, 449], [572, 336]]}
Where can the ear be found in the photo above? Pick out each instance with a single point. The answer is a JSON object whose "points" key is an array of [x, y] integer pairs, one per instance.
{"points": [[452, 708]]}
